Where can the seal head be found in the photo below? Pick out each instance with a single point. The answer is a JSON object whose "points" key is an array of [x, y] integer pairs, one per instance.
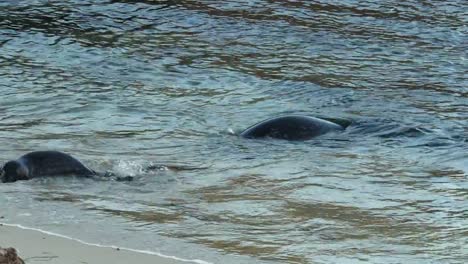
{"points": [[13, 171]]}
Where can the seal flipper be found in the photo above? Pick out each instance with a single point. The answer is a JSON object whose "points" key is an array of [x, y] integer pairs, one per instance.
{"points": [[124, 178]]}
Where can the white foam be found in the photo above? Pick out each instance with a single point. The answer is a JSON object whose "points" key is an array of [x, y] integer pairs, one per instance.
{"points": [[108, 246], [231, 131], [127, 168]]}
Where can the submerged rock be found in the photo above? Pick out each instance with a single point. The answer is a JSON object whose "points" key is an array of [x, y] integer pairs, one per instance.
{"points": [[9, 256]]}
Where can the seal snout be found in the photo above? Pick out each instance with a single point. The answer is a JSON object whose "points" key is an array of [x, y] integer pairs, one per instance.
{"points": [[12, 171]]}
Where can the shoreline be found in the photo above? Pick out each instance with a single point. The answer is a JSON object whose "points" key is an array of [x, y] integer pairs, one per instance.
{"points": [[39, 246]]}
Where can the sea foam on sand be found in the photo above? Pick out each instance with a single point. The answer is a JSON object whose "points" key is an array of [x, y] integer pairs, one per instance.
{"points": [[38, 246]]}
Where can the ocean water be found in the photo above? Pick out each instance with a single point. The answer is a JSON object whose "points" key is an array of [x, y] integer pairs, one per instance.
{"points": [[124, 85]]}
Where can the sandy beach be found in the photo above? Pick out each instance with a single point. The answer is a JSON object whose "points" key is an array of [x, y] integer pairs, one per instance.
{"points": [[37, 247]]}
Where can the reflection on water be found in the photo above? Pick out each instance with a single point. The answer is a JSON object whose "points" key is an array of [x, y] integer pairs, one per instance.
{"points": [[130, 84]]}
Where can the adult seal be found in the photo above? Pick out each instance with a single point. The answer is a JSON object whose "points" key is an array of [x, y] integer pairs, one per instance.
{"points": [[291, 127], [43, 163]]}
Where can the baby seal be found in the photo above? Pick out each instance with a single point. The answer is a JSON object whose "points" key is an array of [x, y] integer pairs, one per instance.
{"points": [[291, 127], [43, 163]]}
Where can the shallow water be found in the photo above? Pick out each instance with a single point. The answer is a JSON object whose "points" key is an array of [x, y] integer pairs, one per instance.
{"points": [[127, 84]]}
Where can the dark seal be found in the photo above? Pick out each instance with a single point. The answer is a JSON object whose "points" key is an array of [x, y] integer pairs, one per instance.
{"points": [[43, 163], [291, 127]]}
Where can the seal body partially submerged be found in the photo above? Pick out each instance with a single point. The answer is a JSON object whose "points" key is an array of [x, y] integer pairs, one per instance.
{"points": [[291, 127], [43, 163]]}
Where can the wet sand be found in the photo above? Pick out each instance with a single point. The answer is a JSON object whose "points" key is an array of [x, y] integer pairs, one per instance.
{"points": [[38, 247]]}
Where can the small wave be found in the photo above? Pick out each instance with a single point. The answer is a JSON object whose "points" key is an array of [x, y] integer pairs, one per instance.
{"points": [[386, 129], [108, 246], [403, 132]]}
